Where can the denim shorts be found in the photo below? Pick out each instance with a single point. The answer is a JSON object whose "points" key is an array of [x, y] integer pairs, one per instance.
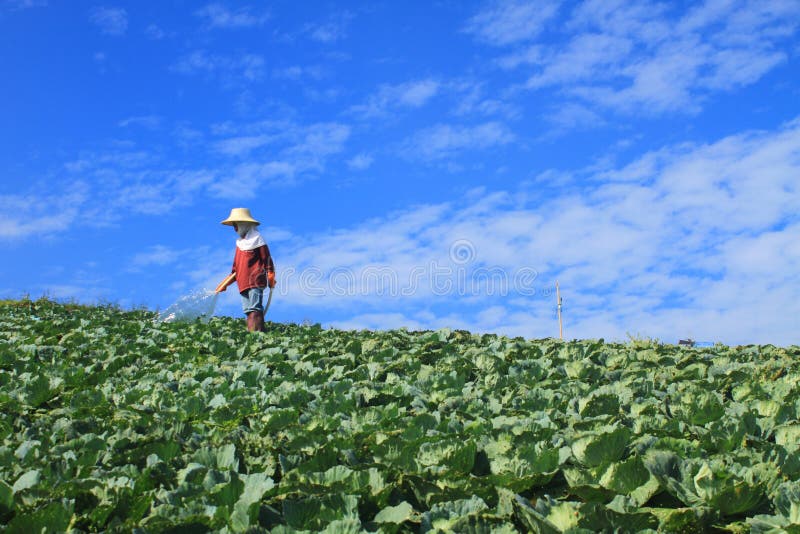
{"points": [[252, 299]]}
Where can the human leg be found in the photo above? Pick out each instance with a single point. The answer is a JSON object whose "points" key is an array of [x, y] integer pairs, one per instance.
{"points": [[252, 306]]}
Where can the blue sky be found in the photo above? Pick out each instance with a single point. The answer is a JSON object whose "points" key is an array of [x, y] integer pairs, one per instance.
{"points": [[414, 165]]}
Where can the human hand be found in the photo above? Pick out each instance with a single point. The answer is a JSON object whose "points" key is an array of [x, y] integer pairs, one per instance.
{"points": [[225, 283]]}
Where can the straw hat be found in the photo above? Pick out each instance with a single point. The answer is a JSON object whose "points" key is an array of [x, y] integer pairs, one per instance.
{"points": [[239, 215]]}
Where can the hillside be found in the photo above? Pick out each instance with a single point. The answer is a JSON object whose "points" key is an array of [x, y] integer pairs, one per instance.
{"points": [[112, 422]]}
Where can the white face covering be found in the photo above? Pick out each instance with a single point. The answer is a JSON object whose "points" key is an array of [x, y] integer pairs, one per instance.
{"points": [[250, 237], [243, 227]]}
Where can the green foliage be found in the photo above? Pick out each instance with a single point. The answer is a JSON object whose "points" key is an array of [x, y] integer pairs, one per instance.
{"points": [[110, 421]]}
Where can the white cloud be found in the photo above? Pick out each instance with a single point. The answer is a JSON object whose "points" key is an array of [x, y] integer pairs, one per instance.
{"points": [[273, 234], [585, 55], [467, 97], [117, 159], [691, 240], [414, 94], [472, 99], [529, 55], [642, 20], [219, 16], [154, 32], [300, 151], [103, 188], [237, 146], [159, 192], [645, 57], [248, 67], [571, 117], [244, 180], [505, 23], [444, 140], [25, 4], [360, 162], [150, 122], [327, 33], [332, 30], [297, 151], [126, 180], [131, 181], [110, 20], [297, 72], [33, 215], [321, 139], [158, 255]]}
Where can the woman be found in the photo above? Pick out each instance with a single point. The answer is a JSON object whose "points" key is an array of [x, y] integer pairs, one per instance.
{"points": [[252, 269]]}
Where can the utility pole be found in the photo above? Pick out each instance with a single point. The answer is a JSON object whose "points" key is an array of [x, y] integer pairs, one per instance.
{"points": [[560, 326]]}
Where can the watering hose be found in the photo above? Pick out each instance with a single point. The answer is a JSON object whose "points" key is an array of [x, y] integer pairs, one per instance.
{"points": [[269, 300]]}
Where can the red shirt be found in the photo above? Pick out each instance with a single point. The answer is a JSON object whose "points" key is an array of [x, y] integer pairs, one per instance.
{"points": [[251, 267]]}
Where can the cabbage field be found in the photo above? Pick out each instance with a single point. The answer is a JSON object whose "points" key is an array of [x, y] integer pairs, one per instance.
{"points": [[112, 422]]}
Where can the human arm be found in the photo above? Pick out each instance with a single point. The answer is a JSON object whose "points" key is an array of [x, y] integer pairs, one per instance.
{"points": [[231, 278], [269, 265]]}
